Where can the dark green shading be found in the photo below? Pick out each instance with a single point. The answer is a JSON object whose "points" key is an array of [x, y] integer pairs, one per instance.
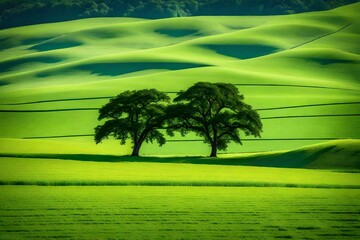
{"points": [[173, 184], [3, 83], [293, 159], [11, 64], [115, 69], [5, 44], [31, 41], [103, 34], [55, 44], [177, 32], [242, 51], [329, 61]]}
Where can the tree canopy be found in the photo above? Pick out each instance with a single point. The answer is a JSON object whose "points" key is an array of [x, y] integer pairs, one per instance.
{"points": [[134, 115], [214, 111], [22, 12]]}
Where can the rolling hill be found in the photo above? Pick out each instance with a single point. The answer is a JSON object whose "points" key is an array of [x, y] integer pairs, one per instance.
{"points": [[21, 12], [299, 71], [341, 155]]}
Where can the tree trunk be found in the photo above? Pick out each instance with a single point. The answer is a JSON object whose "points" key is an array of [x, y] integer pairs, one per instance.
{"points": [[140, 141], [136, 150], [213, 150]]}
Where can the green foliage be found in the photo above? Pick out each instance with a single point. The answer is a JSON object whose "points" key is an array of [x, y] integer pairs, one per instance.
{"points": [[21, 12], [215, 112], [133, 114]]}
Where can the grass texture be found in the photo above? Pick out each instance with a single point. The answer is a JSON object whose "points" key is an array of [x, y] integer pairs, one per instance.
{"points": [[337, 154], [56, 172], [33, 212]]}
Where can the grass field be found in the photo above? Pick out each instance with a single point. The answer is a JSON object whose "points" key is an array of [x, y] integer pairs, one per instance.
{"points": [[299, 70], [300, 181], [178, 213], [24, 171]]}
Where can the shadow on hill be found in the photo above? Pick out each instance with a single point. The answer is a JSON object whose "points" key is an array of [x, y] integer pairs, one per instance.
{"points": [[107, 158], [3, 83], [9, 65], [327, 156], [329, 61], [55, 44], [178, 32], [242, 51], [102, 33], [114, 69], [294, 159], [5, 43], [31, 41]]}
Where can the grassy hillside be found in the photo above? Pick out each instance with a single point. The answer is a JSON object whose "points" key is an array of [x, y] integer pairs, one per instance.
{"points": [[338, 155], [21, 12], [37, 171], [300, 72]]}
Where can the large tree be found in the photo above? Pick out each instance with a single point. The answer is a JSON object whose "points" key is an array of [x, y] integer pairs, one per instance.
{"points": [[216, 112], [133, 114]]}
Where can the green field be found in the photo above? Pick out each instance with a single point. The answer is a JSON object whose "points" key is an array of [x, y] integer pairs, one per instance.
{"points": [[301, 180], [178, 213], [25, 171], [299, 70]]}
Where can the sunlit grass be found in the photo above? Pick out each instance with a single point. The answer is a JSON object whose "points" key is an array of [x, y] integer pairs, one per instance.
{"points": [[23, 171], [205, 213]]}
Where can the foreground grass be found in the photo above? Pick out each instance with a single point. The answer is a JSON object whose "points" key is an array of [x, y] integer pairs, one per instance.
{"points": [[55, 172], [30, 212]]}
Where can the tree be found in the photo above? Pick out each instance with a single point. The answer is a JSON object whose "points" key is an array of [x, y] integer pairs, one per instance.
{"points": [[136, 115], [215, 112]]}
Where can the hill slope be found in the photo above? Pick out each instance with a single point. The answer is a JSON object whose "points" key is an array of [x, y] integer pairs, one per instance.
{"points": [[300, 71], [339, 155], [21, 12]]}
